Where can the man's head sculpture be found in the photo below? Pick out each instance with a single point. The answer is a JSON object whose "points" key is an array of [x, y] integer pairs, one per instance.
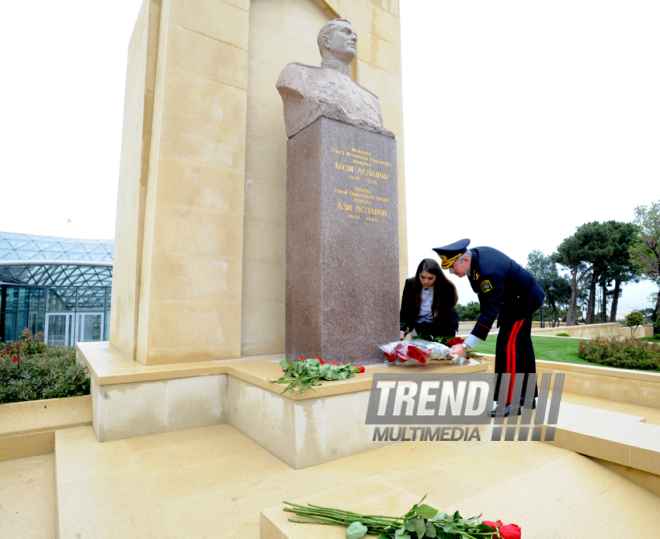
{"points": [[312, 92], [338, 41]]}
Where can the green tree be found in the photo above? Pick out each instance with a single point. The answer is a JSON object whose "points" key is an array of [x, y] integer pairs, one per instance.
{"points": [[619, 269], [469, 312], [556, 287], [645, 250], [634, 320], [572, 254], [596, 255]]}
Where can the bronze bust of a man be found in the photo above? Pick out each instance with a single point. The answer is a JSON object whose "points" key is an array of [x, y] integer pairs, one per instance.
{"points": [[310, 92]]}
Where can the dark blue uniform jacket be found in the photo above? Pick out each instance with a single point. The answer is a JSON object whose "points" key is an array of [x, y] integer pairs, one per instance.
{"points": [[500, 281]]}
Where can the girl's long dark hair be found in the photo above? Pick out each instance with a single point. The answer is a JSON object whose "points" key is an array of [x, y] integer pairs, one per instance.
{"points": [[443, 289]]}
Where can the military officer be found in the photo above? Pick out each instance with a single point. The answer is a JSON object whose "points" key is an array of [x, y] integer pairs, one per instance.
{"points": [[504, 288]]}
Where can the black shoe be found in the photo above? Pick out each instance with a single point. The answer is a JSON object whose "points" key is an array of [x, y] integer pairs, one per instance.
{"points": [[522, 403], [507, 410]]}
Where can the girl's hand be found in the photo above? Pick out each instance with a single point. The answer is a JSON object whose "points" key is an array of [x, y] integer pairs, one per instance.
{"points": [[402, 335]]}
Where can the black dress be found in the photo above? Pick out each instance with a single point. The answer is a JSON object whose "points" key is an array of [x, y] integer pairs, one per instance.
{"points": [[445, 324]]}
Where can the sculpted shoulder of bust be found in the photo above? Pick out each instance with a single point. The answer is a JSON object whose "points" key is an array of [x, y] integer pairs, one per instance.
{"points": [[309, 92]]}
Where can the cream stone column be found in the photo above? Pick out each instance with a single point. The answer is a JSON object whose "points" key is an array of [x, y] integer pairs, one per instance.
{"points": [[199, 270], [179, 242]]}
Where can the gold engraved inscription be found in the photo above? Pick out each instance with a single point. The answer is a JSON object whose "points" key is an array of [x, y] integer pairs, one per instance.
{"points": [[360, 170]]}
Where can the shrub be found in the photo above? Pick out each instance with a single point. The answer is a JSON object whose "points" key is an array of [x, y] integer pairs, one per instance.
{"points": [[562, 335], [634, 320], [32, 370], [624, 354]]}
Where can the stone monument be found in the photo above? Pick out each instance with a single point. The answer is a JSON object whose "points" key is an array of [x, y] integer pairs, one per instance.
{"points": [[342, 260]]}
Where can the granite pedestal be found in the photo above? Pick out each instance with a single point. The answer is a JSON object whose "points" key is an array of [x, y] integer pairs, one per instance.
{"points": [[342, 259]]}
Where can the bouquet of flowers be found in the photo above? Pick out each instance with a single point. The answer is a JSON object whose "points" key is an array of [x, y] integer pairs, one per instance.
{"points": [[306, 373], [420, 522], [400, 352]]}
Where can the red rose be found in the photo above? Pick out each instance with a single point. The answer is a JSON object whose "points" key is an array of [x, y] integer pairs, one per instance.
{"points": [[14, 358], [361, 368], [507, 531], [510, 531], [323, 363], [317, 357], [333, 363], [492, 524], [301, 358]]}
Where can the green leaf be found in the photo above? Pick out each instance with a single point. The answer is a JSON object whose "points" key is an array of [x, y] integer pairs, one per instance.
{"points": [[420, 527], [430, 530], [426, 511], [382, 536], [356, 530], [410, 525], [400, 531]]}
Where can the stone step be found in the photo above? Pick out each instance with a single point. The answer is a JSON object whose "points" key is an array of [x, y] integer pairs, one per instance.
{"points": [[623, 439]]}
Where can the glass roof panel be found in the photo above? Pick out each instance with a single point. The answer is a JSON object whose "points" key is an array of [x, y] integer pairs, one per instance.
{"points": [[27, 246], [23, 247]]}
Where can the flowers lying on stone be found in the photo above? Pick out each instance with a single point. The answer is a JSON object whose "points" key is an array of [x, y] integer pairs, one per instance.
{"points": [[419, 350], [305, 373], [421, 521]]}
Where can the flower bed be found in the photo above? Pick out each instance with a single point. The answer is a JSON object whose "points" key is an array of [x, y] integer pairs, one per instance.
{"points": [[625, 354], [31, 370]]}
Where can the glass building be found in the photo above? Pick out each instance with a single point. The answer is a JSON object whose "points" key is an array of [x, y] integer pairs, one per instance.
{"points": [[60, 286]]}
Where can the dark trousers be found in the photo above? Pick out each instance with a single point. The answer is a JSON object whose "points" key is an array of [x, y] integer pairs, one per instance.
{"points": [[445, 325], [514, 353]]}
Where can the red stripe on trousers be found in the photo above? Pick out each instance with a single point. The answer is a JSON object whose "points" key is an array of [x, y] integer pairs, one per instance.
{"points": [[511, 357]]}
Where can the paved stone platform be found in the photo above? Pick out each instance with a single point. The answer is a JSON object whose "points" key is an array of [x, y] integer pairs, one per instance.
{"points": [[214, 482]]}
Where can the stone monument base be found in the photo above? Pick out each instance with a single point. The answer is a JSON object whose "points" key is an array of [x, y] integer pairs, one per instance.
{"points": [[130, 399], [342, 263]]}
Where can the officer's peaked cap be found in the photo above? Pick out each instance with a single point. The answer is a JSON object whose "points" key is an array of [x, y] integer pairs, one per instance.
{"points": [[450, 253]]}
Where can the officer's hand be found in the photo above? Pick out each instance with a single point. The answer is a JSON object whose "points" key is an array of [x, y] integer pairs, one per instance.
{"points": [[402, 335], [457, 350]]}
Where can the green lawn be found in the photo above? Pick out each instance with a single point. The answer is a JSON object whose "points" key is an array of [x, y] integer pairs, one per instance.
{"points": [[562, 349], [649, 339]]}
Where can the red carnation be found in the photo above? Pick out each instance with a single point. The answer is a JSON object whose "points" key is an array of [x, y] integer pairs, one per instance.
{"points": [[301, 358], [333, 363], [361, 368], [15, 358], [317, 357]]}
